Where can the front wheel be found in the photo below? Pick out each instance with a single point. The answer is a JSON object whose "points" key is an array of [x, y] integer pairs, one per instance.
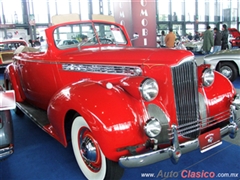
{"points": [[229, 70], [88, 154]]}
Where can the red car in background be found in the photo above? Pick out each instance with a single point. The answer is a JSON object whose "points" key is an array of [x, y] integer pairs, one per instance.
{"points": [[235, 40], [7, 48], [121, 106]]}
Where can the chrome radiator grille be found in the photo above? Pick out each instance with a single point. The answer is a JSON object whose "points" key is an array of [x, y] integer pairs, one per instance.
{"points": [[186, 98]]}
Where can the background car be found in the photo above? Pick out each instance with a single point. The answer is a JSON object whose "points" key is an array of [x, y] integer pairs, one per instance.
{"points": [[226, 62], [7, 102], [235, 37], [66, 42], [195, 46], [7, 49]]}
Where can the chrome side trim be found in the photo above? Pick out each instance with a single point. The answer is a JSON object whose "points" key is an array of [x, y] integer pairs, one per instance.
{"points": [[105, 69], [166, 153]]}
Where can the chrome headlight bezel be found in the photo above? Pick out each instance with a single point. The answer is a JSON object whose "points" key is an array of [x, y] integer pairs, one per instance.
{"points": [[152, 127], [149, 89], [208, 77]]}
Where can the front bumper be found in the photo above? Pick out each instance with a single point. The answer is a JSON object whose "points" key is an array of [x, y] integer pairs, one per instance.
{"points": [[6, 151], [176, 150]]}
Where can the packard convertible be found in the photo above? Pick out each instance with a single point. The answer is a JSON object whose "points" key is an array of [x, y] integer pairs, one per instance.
{"points": [[121, 106]]}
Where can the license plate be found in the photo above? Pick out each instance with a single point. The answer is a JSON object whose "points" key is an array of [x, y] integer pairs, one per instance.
{"points": [[209, 140]]}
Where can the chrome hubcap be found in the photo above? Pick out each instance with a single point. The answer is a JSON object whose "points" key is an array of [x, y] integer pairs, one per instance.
{"points": [[89, 150], [226, 71]]}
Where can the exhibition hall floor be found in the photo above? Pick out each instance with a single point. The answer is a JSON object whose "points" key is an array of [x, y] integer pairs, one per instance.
{"points": [[38, 156]]}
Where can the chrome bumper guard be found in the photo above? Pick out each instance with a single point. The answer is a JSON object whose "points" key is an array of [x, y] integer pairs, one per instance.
{"points": [[5, 152], [175, 151]]}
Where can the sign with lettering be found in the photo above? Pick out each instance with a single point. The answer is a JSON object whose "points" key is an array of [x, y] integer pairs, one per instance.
{"points": [[144, 22], [138, 16], [123, 15]]}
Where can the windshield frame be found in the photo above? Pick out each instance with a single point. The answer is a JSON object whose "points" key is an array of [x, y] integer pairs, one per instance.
{"points": [[93, 31]]}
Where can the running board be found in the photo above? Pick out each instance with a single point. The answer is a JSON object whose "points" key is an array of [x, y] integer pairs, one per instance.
{"points": [[37, 115]]}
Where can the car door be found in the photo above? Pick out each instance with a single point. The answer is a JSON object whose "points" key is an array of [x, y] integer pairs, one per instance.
{"points": [[37, 78]]}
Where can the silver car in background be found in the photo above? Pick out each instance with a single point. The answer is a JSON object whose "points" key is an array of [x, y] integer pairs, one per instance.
{"points": [[227, 62], [195, 46], [7, 102]]}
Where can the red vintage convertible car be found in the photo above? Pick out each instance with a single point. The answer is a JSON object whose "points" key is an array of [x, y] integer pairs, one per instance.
{"points": [[119, 105]]}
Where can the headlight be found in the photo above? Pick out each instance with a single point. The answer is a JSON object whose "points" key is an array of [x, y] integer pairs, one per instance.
{"points": [[208, 77], [149, 89], [152, 127]]}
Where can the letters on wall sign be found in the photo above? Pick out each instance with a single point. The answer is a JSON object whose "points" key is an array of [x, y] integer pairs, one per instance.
{"points": [[138, 16]]}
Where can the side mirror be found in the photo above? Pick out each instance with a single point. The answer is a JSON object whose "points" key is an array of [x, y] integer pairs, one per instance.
{"points": [[135, 36]]}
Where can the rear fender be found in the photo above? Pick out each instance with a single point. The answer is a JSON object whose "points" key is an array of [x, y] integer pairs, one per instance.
{"points": [[11, 76], [115, 118]]}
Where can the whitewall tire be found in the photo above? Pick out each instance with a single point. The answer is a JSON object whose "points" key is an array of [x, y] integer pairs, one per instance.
{"points": [[88, 154]]}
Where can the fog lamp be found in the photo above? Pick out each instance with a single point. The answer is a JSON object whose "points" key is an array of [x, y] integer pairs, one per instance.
{"points": [[152, 127]]}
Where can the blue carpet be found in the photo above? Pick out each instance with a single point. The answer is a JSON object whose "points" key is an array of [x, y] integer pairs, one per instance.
{"points": [[39, 157], [236, 83]]}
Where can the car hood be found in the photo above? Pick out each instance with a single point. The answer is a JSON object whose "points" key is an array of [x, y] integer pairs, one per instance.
{"points": [[223, 54], [235, 33], [127, 56]]}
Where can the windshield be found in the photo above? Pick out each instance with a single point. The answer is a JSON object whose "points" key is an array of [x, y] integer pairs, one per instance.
{"points": [[88, 34]]}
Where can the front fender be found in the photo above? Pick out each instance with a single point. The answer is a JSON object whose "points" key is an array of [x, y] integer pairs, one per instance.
{"points": [[116, 119], [219, 95]]}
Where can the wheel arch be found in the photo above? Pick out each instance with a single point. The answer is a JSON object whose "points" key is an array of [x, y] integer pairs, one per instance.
{"points": [[232, 61], [11, 76], [68, 120]]}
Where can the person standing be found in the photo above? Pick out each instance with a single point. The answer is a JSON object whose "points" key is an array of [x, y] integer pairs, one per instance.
{"points": [[162, 39], [196, 36], [224, 37], [217, 40], [208, 40], [190, 37], [170, 39]]}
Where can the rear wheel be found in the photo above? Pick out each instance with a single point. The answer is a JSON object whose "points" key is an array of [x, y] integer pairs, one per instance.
{"points": [[229, 70], [89, 156]]}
